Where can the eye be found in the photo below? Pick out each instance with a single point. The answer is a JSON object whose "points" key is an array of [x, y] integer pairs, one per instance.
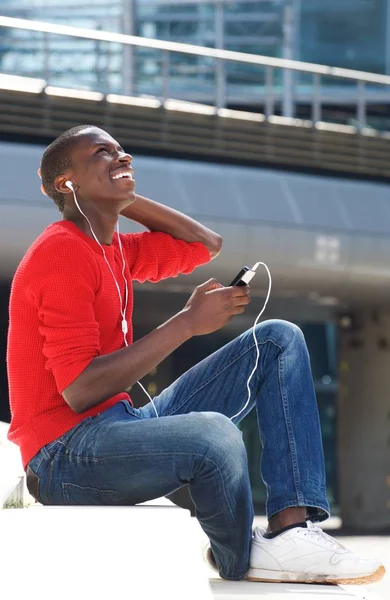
{"points": [[102, 149]]}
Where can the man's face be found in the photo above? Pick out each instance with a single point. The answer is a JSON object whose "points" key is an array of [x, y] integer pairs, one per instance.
{"points": [[102, 171]]}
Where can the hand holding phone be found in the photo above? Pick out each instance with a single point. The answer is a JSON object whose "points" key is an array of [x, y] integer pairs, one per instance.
{"points": [[245, 275]]}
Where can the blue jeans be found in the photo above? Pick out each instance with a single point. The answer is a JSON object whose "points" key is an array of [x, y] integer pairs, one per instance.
{"points": [[126, 455]]}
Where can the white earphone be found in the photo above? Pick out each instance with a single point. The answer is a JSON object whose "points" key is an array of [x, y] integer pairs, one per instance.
{"points": [[69, 184]]}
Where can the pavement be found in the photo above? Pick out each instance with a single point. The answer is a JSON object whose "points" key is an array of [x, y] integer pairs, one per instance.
{"points": [[378, 546]]}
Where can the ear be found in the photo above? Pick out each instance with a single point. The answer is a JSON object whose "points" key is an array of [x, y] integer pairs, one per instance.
{"points": [[43, 190], [42, 186], [59, 184]]}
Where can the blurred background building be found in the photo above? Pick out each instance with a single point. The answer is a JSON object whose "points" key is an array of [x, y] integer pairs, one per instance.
{"points": [[353, 34], [323, 227]]}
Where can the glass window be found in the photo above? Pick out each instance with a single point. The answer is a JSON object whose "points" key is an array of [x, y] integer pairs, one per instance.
{"points": [[60, 60], [344, 33]]}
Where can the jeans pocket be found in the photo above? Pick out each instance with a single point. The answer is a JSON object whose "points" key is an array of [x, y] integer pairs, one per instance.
{"points": [[78, 495], [51, 449], [134, 412]]}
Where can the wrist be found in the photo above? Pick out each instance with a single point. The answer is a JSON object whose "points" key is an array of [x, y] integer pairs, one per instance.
{"points": [[184, 321]]}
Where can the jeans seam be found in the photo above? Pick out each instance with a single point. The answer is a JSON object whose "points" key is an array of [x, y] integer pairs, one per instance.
{"points": [[38, 466], [223, 491], [225, 366], [290, 435], [223, 488]]}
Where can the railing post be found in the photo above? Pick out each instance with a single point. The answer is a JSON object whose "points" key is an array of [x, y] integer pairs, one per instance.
{"points": [[129, 52], [107, 71], [316, 99], [288, 109], [220, 96], [165, 74], [288, 93], [46, 57], [220, 79], [361, 105], [100, 71], [269, 92]]}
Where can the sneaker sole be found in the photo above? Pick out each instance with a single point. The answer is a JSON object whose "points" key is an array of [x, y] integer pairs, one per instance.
{"points": [[286, 577]]}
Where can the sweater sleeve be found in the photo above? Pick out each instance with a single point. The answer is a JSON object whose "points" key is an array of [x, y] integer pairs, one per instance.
{"points": [[155, 255], [67, 324]]}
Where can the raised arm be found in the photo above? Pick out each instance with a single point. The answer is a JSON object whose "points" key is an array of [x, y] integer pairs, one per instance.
{"points": [[157, 217]]}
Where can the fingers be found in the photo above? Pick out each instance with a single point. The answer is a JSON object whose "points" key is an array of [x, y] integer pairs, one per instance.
{"points": [[241, 301], [239, 290], [233, 291], [236, 303], [210, 284], [237, 310], [242, 298], [233, 296]]}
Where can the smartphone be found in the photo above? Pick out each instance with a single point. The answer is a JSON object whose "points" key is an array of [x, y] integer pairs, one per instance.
{"points": [[245, 275]]}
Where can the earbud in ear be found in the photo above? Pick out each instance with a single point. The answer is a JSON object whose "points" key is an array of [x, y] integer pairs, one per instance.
{"points": [[69, 184]]}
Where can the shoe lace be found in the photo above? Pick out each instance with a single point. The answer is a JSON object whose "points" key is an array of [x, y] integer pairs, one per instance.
{"points": [[316, 533]]}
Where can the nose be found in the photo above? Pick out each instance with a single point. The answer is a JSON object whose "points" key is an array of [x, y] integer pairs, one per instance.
{"points": [[124, 157]]}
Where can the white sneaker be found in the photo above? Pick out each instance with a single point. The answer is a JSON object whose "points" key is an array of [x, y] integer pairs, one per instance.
{"points": [[308, 556], [208, 556]]}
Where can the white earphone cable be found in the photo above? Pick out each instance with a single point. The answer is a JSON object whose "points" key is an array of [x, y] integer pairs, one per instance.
{"points": [[256, 342], [123, 306]]}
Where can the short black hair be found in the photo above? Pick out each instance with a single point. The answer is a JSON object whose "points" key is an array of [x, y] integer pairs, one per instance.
{"points": [[56, 159]]}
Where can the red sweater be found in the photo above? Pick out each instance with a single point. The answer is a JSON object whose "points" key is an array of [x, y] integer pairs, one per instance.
{"points": [[64, 311]]}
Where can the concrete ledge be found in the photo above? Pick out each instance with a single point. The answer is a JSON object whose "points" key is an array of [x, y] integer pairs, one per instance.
{"points": [[144, 552], [101, 553], [13, 489]]}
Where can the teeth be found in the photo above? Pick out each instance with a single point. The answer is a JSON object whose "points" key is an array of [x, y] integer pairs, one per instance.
{"points": [[121, 175]]}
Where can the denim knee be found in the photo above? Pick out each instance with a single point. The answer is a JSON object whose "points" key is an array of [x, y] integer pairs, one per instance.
{"points": [[222, 441], [280, 332]]}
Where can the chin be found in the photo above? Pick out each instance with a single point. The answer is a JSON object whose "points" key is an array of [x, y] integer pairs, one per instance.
{"points": [[128, 200]]}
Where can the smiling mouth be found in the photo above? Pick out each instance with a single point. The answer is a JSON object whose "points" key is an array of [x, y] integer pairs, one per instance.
{"points": [[126, 175]]}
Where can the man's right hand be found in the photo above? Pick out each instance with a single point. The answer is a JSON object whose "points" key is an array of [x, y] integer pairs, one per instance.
{"points": [[212, 305]]}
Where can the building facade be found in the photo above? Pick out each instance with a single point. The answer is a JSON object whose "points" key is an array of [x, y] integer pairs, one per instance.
{"points": [[354, 34]]}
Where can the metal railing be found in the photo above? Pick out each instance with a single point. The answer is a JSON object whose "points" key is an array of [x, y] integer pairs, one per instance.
{"points": [[269, 91]]}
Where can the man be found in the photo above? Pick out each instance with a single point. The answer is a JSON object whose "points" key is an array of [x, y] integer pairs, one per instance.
{"points": [[71, 356]]}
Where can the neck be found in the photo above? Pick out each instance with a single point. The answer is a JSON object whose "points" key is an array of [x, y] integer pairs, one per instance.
{"points": [[103, 226]]}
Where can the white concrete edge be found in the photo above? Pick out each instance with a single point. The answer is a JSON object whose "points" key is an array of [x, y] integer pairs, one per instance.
{"points": [[13, 489]]}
